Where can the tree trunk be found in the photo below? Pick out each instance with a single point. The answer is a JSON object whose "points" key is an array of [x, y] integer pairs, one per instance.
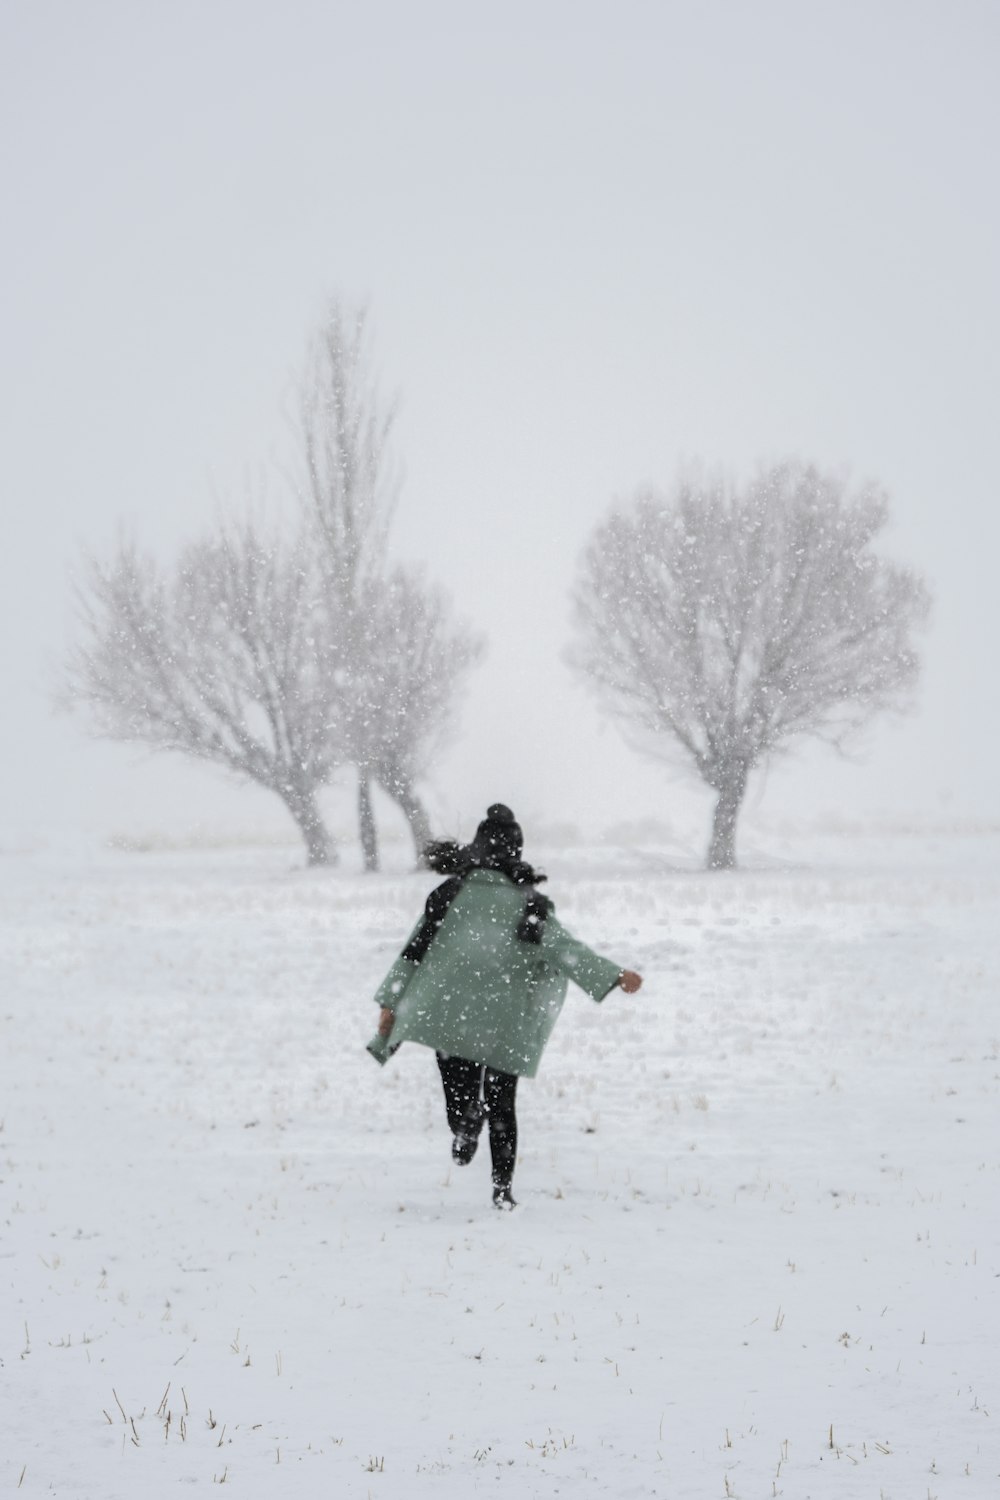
{"points": [[304, 809], [722, 850], [400, 788], [366, 821]]}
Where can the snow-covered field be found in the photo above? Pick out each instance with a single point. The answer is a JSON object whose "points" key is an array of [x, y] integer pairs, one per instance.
{"points": [[757, 1249]]}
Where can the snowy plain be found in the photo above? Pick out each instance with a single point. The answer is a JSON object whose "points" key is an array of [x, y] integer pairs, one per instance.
{"points": [[756, 1252]]}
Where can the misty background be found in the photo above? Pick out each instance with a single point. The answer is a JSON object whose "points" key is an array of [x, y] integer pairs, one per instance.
{"points": [[597, 241]]}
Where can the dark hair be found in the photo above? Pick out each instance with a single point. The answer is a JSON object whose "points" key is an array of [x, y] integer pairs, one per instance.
{"points": [[444, 856], [497, 846]]}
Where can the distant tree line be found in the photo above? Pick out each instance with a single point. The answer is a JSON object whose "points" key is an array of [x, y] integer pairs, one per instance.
{"points": [[716, 624]]}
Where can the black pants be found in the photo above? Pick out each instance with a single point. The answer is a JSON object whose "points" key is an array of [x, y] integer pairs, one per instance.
{"points": [[471, 1092]]}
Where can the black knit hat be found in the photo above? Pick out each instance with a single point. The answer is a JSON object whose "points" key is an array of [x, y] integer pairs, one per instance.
{"points": [[499, 831]]}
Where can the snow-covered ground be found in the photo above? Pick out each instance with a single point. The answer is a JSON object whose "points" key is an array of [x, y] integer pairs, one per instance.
{"points": [[757, 1249]]}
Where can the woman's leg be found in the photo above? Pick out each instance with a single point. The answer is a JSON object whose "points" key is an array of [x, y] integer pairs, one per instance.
{"points": [[499, 1090], [462, 1081]]}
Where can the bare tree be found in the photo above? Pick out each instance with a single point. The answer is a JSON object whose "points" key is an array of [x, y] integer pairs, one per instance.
{"points": [[404, 661], [229, 657], [722, 623], [351, 479], [351, 489], [413, 668], [285, 661]]}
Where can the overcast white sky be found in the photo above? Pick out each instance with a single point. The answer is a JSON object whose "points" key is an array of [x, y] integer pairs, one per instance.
{"points": [[597, 239]]}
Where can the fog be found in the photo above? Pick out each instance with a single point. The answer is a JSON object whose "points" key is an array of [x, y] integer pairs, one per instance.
{"points": [[597, 241]]}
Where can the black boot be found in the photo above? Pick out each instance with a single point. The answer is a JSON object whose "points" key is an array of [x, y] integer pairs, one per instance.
{"points": [[463, 1147], [503, 1200]]}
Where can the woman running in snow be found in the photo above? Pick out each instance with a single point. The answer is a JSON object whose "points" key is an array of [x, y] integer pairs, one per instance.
{"points": [[482, 981]]}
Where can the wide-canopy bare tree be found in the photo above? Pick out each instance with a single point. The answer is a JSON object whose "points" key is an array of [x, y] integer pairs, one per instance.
{"points": [[721, 623], [227, 656]]}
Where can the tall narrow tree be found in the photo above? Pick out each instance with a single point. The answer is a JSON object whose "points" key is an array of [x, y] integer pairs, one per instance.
{"points": [[391, 705]]}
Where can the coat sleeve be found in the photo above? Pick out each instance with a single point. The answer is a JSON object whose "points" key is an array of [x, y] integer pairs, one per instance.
{"points": [[393, 986], [595, 975]]}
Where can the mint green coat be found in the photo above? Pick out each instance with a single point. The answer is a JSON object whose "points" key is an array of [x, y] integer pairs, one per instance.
{"points": [[480, 992]]}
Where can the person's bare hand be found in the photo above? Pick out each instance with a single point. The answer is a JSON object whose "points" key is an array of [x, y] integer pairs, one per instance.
{"points": [[386, 1021], [630, 981]]}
